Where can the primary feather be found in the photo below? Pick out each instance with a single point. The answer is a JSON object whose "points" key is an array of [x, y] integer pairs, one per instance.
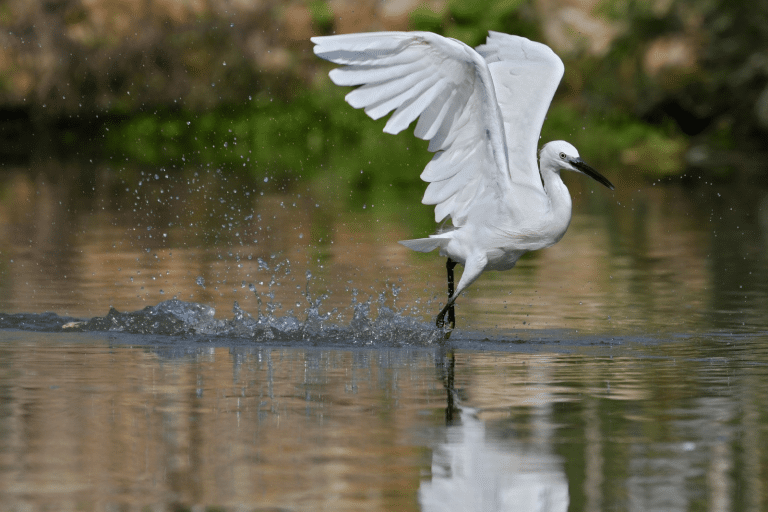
{"points": [[445, 84]]}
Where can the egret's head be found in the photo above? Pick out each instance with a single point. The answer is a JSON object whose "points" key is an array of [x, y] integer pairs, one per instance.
{"points": [[558, 155]]}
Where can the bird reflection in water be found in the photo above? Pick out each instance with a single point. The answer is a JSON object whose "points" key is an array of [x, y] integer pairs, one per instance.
{"points": [[474, 471]]}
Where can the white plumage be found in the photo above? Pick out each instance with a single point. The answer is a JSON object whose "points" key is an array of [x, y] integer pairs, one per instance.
{"points": [[482, 112]]}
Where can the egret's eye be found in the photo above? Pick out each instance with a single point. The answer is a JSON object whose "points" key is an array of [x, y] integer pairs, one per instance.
{"points": [[562, 156]]}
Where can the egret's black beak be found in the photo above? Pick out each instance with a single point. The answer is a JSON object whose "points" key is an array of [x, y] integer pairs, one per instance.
{"points": [[579, 164]]}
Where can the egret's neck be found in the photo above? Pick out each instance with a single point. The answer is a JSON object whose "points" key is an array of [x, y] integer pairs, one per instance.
{"points": [[559, 197]]}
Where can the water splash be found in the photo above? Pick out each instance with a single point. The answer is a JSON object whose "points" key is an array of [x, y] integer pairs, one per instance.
{"points": [[390, 327], [371, 321]]}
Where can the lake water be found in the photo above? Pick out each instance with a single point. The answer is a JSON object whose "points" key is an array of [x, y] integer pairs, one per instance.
{"points": [[189, 340]]}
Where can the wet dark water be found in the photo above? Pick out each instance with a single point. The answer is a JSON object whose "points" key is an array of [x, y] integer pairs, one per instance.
{"points": [[216, 342], [94, 422]]}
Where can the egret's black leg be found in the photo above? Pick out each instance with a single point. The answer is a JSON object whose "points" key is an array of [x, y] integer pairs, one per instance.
{"points": [[449, 309], [451, 312]]}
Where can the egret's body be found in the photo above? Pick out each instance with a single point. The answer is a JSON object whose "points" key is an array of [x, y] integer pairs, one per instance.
{"points": [[482, 111]]}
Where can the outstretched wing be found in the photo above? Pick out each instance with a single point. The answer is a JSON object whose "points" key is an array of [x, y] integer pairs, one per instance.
{"points": [[525, 76], [448, 86]]}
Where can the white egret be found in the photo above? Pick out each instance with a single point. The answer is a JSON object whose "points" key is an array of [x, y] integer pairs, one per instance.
{"points": [[481, 110]]}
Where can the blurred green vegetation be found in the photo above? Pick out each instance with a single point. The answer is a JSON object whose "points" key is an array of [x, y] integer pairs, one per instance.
{"points": [[470, 21], [304, 137], [315, 133]]}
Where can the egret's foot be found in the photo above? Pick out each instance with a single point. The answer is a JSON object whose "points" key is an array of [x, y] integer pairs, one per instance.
{"points": [[449, 311], [440, 322]]}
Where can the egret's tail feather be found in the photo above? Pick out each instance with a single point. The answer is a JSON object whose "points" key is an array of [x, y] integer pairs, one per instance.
{"points": [[425, 244]]}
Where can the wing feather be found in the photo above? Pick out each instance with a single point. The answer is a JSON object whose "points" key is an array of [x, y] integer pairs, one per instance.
{"points": [[404, 97], [525, 77], [408, 112], [382, 92], [449, 88], [440, 191], [371, 74], [455, 120], [445, 208], [445, 165], [432, 117]]}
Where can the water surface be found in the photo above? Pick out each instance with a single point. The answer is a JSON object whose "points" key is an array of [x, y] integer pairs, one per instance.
{"points": [[98, 422], [186, 338]]}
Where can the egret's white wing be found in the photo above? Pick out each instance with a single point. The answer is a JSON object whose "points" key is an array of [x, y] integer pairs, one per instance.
{"points": [[525, 76], [447, 85]]}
